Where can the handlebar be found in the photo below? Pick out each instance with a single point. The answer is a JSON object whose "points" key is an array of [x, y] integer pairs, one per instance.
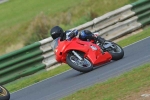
{"points": [[71, 34]]}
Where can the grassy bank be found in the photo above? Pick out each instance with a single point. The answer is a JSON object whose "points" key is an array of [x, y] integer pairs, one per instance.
{"points": [[21, 83], [19, 20]]}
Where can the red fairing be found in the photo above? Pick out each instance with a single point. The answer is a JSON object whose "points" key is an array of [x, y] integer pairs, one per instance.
{"points": [[97, 57], [65, 46], [91, 50]]}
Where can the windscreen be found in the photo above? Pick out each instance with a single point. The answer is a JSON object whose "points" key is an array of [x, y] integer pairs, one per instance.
{"points": [[54, 43]]}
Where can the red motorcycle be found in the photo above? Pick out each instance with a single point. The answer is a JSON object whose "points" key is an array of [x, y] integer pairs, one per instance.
{"points": [[83, 56]]}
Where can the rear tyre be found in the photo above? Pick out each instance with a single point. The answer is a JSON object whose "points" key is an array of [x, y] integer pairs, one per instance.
{"points": [[4, 94], [83, 66], [117, 53], [115, 50]]}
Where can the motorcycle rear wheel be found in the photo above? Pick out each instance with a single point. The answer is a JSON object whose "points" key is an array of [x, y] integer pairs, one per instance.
{"points": [[4, 94], [117, 52], [83, 66]]}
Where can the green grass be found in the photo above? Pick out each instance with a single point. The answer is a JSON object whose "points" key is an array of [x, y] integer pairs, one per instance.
{"points": [[17, 12], [17, 17], [21, 83]]}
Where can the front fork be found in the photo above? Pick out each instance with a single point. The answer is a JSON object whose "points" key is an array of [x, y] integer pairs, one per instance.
{"points": [[76, 54]]}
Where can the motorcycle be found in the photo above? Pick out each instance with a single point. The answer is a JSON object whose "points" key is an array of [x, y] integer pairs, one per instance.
{"points": [[4, 93], [83, 56]]}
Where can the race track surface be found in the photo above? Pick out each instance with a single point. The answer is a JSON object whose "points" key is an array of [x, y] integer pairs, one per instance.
{"points": [[67, 83]]}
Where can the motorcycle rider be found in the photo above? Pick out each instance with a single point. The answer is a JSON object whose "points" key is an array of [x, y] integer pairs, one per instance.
{"points": [[84, 35]]}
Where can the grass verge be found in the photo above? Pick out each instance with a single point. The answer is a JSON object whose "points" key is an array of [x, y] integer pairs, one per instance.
{"points": [[23, 82]]}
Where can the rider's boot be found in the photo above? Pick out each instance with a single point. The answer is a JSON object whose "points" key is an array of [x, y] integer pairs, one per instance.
{"points": [[100, 40]]}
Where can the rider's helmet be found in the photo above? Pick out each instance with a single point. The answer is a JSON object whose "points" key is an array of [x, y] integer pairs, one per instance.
{"points": [[56, 31], [86, 35]]}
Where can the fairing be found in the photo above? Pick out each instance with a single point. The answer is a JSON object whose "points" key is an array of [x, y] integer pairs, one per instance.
{"points": [[92, 51]]}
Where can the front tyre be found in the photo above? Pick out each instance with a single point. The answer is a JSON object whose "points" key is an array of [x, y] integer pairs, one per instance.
{"points": [[115, 50], [4, 94], [80, 65]]}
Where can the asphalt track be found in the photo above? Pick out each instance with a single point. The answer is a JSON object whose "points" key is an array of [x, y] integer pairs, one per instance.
{"points": [[67, 83]]}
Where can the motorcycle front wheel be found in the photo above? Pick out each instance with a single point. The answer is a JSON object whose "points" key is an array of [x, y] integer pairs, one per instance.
{"points": [[80, 65], [4, 94]]}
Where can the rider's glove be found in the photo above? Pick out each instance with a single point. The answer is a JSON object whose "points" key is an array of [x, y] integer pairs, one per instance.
{"points": [[100, 40], [75, 32], [71, 34]]}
